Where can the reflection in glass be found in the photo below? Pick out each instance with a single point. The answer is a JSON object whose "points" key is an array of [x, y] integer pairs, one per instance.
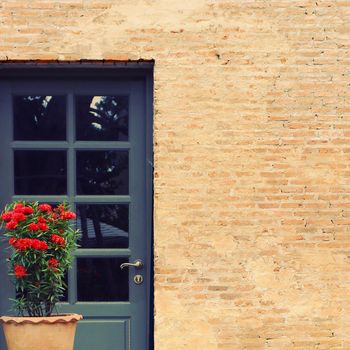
{"points": [[101, 279], [103, 226], [102, 172], [39, 117], [40, 172], [102, 118]]}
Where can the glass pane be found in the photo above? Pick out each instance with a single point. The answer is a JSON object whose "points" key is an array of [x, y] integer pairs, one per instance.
{"points": [[101, 279], [102, 172], [40, 172], [102, 118], [39, 117], [103, 226]]}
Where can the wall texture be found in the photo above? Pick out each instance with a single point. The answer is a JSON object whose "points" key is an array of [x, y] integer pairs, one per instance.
{"points": [[252, 157]]}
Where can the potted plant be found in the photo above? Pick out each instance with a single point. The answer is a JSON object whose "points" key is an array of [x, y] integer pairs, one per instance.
{"points": [[41, 240]]}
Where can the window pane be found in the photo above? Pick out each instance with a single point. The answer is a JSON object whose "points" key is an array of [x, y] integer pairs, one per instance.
{"points": [[102, 118], [102, 172], [40, 172], [39, 117], [101, 279], [103, 226]]}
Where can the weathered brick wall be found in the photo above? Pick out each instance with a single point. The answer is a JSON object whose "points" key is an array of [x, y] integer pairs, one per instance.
{"points": [[252, 151]]}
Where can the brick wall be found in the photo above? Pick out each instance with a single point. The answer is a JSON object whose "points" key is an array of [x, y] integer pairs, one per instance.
{"points": [[252, 151]]}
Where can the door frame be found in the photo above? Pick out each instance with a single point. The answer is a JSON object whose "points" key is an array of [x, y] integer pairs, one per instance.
{"points": [[106, 70]]}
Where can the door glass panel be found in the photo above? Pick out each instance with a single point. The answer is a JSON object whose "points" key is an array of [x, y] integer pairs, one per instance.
{"points": [[102, 118], [39, 117], [101, 279], [103, 226], [40, 172], [102, 172]]}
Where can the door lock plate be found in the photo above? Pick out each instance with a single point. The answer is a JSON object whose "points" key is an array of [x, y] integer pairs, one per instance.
{"points": [[138, 279]]}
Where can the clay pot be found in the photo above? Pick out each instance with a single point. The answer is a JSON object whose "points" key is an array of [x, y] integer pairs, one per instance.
{"points": [[40, 333]]}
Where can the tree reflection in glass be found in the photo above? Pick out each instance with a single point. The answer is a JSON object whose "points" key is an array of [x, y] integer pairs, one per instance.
{"points": [[103, 225], [39, 118], [102, 172], [102, 118]]}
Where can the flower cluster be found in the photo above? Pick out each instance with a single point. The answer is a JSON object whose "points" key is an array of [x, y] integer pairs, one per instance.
{"points": [[18, 214], [67, 215], [28, 243], [58, 240], [42, 242], [20, 271], [53, 264]]}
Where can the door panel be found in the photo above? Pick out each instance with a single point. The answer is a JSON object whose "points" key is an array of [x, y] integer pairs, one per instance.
{"points": [[85, 142], [105, 334]]}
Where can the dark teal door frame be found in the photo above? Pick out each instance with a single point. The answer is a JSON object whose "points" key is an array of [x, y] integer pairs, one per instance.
{"points": [[130, 319]]}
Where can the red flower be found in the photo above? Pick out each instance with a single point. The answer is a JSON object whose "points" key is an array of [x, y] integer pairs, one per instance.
{"points": [[28, 210], [18, 217], [41, 219], [53, 264], [43, 227], [33, 227], [12, 241], [22, 243], [68, 215], [58, 240], [11, 225], [18, 208], [45, 207], [39, 245], [20, 271], [60, 207], [27, 243], [53, 217], [6, 216]]}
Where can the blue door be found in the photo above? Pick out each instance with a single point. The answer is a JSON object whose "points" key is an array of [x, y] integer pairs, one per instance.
{"points": [[87, 140]]}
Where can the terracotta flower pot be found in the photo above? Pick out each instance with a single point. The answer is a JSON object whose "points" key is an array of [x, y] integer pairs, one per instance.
{"points": [[40, 333]]}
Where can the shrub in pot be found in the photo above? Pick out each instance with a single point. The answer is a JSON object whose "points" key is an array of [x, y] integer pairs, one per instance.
{"points": [[42, 242]]}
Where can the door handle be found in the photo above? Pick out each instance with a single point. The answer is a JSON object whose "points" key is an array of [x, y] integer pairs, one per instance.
{"points": [[137, 264]]}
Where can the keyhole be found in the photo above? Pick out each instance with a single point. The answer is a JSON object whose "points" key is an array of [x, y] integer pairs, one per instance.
{"points": [[138, 279]]}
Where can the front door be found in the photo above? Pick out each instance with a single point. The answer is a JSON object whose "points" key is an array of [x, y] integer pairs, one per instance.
{"points": [[84, 140]]}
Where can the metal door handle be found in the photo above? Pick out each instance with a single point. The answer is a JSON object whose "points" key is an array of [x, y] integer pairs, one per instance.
{"points": [[137, 264]]}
